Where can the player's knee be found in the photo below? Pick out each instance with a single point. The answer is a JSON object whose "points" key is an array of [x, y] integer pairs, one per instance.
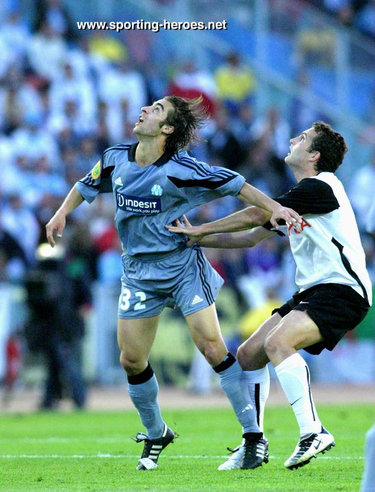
{"points": [[248, 356], [212, 352], [242, 356], [130, 364]]}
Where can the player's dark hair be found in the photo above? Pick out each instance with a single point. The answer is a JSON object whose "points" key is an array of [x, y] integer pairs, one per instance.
{"points": [[330, 144], [188, 116]]}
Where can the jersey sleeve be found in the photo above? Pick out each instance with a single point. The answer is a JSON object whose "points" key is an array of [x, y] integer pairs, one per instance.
{"points": [[203, 183], [98, 180], [310, 196]]}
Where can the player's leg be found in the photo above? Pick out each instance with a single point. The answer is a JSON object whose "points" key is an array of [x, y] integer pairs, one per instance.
{"points": [[206, 334], [135, 339], [253, 360], [296, 331], [368, 479], [195, 291]]}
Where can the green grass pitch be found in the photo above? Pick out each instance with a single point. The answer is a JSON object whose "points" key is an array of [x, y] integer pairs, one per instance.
{"points": [[93, 451]]}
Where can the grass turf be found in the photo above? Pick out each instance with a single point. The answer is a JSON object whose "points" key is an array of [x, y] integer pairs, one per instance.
{"points": [[93, 451]]}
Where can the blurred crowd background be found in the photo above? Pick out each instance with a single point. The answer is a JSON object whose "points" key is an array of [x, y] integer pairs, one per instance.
{"points": [[66, 95]]}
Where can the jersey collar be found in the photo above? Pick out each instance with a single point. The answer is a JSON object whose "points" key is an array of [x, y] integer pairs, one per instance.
{"points": [[162, 160]]}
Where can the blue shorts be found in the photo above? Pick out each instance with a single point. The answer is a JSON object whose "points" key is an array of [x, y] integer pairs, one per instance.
{"points": [[182, 278]]}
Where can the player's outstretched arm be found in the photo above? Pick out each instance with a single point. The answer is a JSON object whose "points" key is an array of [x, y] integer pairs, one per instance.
{"points": [[231, 240], [58, 221], [239, 221], [253, 196], [244, 239]]}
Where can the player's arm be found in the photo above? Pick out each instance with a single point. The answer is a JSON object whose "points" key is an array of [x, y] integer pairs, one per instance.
{"points": [[244, 219], [231, 240], [210, 183], [58, 221], [253, 196], [98, 180]]}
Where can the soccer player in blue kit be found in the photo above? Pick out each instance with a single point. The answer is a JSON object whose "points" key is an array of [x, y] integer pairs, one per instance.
{"points": [[154, 182]]}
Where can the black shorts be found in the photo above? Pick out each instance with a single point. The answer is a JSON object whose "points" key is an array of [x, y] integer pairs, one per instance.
{"points": [[334, 308]]}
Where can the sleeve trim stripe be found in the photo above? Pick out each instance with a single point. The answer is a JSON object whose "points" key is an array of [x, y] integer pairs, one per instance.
{"points": [[87, 180], [199, 167], [202, 172], [96, 187], [190, 165], [202, 183], [115, 147]]}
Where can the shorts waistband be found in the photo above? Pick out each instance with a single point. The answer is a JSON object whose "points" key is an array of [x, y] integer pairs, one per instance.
{"points": [[149, 257]]}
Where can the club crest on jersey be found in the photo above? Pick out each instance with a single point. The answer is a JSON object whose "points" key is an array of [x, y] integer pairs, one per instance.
{"points": [[95, 173], [157, 190]]}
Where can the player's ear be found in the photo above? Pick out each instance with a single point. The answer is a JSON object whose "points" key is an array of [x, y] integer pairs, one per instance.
{"points": [[167, 129], [315, 156]]}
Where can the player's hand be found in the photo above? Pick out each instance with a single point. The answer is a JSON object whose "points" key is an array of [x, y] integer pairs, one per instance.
{"points": [[193, 232], [284, 213], [57, 223]]}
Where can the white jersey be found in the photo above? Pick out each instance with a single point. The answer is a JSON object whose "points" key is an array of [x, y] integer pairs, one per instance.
{"points": [[326, 246]]}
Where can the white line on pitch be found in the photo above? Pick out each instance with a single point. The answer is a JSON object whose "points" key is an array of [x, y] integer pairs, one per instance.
{"points": [[127, 456], [66, 439]]}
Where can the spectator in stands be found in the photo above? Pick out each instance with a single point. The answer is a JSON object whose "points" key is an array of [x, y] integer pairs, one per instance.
{"points": [[271, 132], [68, 86], [235, 83], [365, 19], [71, 118], [156, 81], [17, 217], [32, 141], [123, 82], [15, 35], [301, 112], [57, 295], [107, 47], [263, 273], [341, 9], [242, 126], [13, 261], [258, 314], [316, 44], [54, 13], [87, 154], [19, 102], [224, 147], [46, 52], [191, 82]]}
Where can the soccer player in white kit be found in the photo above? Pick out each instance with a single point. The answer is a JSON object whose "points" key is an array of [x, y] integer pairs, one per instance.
{"points": [[334, 289]]}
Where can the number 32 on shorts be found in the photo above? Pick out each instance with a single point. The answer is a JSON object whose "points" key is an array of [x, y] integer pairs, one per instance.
{"points": [[125, 300]]}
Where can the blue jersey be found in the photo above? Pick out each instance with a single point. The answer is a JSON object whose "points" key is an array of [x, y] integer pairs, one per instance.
{"points": [[151, 197]]}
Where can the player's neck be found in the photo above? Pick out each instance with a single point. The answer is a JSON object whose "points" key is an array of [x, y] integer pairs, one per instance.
{"points": [[302, 173], [149, 151]]}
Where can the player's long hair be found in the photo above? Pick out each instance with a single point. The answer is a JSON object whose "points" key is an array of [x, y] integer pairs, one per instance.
{"points": [[330, 144], [188, 116]]}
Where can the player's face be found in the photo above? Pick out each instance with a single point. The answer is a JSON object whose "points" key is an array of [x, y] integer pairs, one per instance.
{"points": [[151, 119], [299, 147]]}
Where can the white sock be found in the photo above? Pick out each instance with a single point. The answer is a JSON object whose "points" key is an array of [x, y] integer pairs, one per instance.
{"points": [[294, 377], [258, 384]]}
